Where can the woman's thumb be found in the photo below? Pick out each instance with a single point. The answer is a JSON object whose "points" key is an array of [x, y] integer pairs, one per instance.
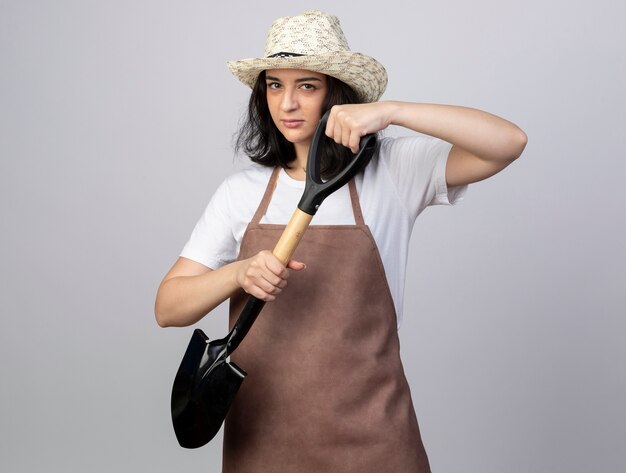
{"points": [[296, 265]]}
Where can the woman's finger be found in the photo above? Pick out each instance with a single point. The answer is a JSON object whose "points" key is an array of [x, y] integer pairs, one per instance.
{"points": [[345, 136], [337, 133], [354, 142]]}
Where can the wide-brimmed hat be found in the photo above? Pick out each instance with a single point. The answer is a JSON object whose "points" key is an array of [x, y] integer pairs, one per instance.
{"points": [[314, 41]]}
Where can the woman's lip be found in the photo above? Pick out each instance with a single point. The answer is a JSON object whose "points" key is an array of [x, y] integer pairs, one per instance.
{"points": [[292, 123]]}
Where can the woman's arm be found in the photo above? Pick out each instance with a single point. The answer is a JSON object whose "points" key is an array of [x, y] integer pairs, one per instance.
{"points": [[483, 144], [190, 290]]}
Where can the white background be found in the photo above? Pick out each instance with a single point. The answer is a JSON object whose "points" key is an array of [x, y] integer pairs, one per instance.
{"points": [[116, 122]]}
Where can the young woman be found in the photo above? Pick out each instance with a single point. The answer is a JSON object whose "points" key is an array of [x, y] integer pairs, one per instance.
{"points": [[325, 389]]}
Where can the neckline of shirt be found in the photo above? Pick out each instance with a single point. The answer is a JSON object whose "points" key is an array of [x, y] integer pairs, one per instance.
{"points": [[290, 181]]}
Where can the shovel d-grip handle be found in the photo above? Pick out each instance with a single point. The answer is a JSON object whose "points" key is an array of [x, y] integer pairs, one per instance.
{"points": [[315, 191]]}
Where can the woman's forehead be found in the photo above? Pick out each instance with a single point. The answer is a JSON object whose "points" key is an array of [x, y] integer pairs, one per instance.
{"points": [[294, 74]]}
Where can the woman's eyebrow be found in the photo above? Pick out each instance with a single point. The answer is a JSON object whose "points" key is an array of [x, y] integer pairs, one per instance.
{"points": [[308, 79]]}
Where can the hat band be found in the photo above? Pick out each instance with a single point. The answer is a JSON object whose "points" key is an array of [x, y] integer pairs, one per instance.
{"points": [[285, 55]]}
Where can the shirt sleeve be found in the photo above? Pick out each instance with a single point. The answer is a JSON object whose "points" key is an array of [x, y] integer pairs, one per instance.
{"points": [[417, 165], [212, 242]]}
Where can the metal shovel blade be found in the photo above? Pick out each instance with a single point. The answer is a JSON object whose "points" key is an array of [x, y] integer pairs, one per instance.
{"points": [[203, 390]]}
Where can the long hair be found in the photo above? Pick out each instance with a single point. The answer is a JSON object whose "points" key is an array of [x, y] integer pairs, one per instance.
{"points": [[264, 144]]}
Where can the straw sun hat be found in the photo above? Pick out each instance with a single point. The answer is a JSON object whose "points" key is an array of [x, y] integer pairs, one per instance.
{"points": [[314, 41]]}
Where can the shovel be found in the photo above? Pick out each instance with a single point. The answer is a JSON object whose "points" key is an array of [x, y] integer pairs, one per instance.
{"points": [[206, 382]]}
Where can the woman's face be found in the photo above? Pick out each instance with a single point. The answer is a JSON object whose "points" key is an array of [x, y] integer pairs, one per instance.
{"points": [[295, 98]]}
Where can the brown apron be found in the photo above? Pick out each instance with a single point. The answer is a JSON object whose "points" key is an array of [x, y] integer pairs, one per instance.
{"points": [[325, 391]]}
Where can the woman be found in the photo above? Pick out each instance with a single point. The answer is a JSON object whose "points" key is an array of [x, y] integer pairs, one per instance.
{"points": [[326, 389]]}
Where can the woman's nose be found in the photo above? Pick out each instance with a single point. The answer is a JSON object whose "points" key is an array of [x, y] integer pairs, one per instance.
{"points": [[289, 101]]}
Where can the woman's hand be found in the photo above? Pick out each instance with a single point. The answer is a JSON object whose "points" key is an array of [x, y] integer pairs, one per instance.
{"points": [[263, 275], [347, 124]]}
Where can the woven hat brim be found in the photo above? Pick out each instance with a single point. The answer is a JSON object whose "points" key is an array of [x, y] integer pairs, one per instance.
{"points": [[363, 73]]}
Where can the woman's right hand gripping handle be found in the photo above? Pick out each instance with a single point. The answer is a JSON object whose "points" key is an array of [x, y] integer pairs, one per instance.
{"points": [[264, 276], [190, 290]]}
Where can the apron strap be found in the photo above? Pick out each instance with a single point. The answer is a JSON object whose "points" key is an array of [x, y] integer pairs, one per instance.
{"points": [[267, 197], [356, 205], [269, 191]]}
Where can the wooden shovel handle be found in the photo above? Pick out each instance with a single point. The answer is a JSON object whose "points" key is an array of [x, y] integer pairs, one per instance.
{"points": [[292, 235]]}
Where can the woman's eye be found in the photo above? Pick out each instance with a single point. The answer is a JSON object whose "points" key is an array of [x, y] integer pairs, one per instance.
{"points": [[308, 86], [273, 85]]}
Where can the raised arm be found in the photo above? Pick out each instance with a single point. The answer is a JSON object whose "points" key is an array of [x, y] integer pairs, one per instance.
{"points": [[483, 144]]}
